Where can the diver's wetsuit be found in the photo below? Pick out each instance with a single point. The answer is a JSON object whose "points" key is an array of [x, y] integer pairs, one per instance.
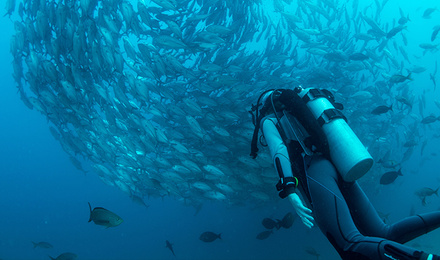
{"points": [[343, 212]]}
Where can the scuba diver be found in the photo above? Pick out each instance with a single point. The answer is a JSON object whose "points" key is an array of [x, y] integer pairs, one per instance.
{"points": [[318, 159]]}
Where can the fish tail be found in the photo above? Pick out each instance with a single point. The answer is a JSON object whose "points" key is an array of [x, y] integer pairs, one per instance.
{"points": [[409, 76], [90, 208], [219, 236], [278, 225], [51, 257], [391, 107], [436, 191], [35, 244]]}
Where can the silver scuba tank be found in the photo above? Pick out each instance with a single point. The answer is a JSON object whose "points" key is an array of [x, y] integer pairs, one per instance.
{"points": [[347, 153]]}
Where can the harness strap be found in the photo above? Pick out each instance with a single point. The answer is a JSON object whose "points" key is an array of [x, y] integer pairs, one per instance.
{"points": [[329, 115], [286, 186], [315, 93]]}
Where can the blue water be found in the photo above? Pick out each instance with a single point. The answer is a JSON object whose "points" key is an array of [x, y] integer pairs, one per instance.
{"points": [[43, 197]]}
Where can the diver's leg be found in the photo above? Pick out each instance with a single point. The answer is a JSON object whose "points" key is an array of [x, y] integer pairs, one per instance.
{"points": [[334, 219], [364, 214], [369, 223], [414, 226]]}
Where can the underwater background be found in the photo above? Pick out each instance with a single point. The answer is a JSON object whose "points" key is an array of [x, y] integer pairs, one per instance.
{"points": [[43, 196]]}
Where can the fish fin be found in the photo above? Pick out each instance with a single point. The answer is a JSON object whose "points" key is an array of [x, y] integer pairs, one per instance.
{"points": [[219, 235], [90, 208], [278, 225], [51, 257], [401, 12], [35, 244]]}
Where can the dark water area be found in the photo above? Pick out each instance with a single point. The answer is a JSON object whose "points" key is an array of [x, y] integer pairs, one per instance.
{"points": [[43, 197]]}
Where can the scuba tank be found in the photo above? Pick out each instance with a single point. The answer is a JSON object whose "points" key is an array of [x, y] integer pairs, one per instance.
{"points": [[347, 153]]}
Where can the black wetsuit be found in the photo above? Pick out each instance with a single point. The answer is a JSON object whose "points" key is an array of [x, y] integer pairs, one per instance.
{"points": [[341, 209], [346, 217]]}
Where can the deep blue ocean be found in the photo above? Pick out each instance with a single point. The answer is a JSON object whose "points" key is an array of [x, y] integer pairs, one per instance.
{"points": [[43, 197]]}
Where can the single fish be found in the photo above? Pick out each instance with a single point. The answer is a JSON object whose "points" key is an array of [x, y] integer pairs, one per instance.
{"points": [[403, 20], [428, 12], [404, 101], [435, 32], [209, 236], [381, 110], [424, 192], [429, 119], [264, 235], [169, 246], [270, 223], [417, 69], [288, 220], [395, 31], [65, 256], [428, 46], [42, 245], [312, 251], [388, 163], [104, 217], [399, 78], [358, 56], [138, 200], [390, 177], [410, 143]]}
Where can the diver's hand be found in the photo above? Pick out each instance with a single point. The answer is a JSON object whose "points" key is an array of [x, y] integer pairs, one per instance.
{"points": [[303, 212]]}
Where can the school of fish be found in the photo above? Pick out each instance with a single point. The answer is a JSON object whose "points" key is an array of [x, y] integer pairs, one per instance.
{"points": [[154, 95]]}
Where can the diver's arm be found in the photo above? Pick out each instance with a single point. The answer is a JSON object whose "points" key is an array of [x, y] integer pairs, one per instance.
{"points": [[288, 183], [303, 212]]}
